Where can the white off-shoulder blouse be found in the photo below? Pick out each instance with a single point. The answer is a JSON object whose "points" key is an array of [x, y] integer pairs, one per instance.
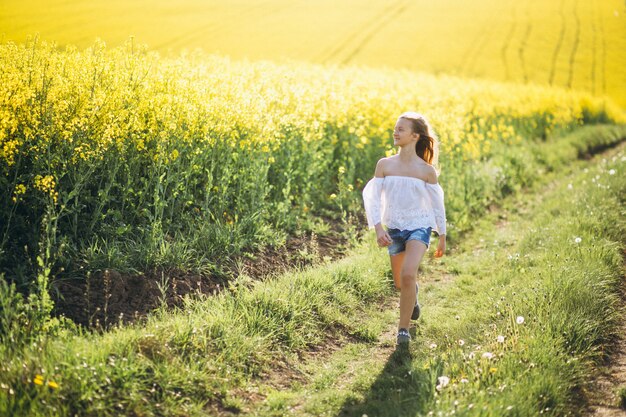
{"points": [[404, 203]]}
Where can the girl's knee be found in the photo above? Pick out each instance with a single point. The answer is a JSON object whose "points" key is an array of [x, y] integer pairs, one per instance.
{"points": [[407, 279]]}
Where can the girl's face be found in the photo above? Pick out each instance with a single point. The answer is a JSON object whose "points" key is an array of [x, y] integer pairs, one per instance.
{"points": [[403, 133]]}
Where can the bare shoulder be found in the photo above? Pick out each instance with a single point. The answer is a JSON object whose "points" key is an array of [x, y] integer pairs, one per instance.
{"points": [[381, 165], [431, 174]]}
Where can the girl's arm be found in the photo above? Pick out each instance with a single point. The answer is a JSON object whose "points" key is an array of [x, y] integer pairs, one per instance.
{"points": [[439, 210], [372, 194]]}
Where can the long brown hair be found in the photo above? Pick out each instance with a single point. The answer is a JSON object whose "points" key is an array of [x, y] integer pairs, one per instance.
{"points": [[427, 146]]}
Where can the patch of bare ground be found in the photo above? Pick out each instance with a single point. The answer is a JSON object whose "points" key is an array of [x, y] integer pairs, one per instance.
{"points": [[607, 391], [108, 297]]}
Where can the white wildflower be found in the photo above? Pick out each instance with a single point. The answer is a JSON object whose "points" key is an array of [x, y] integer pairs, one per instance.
{"points": [[520, 320], [577, 240], [487, 355], [612, 172], [500, 339], [461, 342]]}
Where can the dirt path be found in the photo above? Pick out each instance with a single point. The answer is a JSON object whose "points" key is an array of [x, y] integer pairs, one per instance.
{"points": [[604, 393]]}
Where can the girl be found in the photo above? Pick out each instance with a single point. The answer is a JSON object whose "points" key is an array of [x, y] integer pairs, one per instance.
{"points": [[405, 197]]}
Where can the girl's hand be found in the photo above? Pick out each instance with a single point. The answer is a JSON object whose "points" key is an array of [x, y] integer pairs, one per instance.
{"points": [[441, 247], [382, 237]]}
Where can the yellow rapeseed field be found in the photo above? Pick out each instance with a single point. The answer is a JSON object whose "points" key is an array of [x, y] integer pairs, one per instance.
{"points": [[570, 43], [204, 134]]}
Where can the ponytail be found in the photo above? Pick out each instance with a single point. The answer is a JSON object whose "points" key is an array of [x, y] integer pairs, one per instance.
{"points": [[427, 146]]}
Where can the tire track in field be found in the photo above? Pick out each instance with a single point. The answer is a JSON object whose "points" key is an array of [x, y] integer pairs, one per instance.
{"points": [[507, 42], [470, 57], [265, 13], [372, 33], [334, 51], [469, 52], [559, 43], [524, 42], [603, 59], [493, 19], [594, 30], [572, 56], [212, 27]]}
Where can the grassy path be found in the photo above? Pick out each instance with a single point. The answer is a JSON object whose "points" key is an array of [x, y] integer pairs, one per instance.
{"points": [[465, 299]]}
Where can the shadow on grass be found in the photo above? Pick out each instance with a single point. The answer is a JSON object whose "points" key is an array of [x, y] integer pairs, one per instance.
{"points": [[399, 390]]}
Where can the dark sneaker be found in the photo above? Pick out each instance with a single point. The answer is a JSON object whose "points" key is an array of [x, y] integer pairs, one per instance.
{"points": [[403, 336], [416, 309]]}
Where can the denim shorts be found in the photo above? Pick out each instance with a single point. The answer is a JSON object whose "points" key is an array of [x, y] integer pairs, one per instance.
{"points": [[400, 237]]}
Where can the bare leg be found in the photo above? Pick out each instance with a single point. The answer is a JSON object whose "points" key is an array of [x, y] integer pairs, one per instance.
{"points": [[413, 256], [396, 267]]}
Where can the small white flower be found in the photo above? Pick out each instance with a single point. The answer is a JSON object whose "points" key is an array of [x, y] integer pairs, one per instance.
{"points": [[472, 355], [570, 187], [520, 320], [510, 407], [443, 380], [487, 355], [457, 317], [500, 339], [578, 240], [464, 380], [612, 172], [461, 342], [433, 345], [456, 403]]}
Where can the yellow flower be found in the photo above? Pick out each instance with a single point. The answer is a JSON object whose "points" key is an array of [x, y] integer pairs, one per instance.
{"points": [[333, 196], [20, 189], [493, 370], [38, 380], [53, 385]]}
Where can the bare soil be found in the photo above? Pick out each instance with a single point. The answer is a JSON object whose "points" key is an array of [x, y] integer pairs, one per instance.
{"points": [[604, 390], [109, 297]]}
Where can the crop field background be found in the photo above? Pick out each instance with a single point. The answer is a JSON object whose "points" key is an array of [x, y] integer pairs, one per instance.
{"points": [[181, 219], [570, 43]]}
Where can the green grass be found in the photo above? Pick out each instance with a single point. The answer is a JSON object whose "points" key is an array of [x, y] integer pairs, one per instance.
{"points": [[210, 355], [530, 267]]}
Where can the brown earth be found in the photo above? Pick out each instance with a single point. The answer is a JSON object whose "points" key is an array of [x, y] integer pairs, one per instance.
{"points": [[109, 297], [605, 388]]}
